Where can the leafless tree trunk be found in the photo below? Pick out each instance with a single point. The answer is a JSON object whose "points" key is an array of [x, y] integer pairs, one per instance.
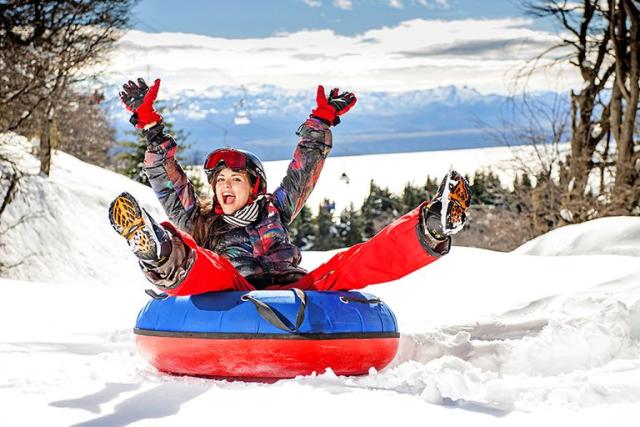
{"points": [[625, 35], [45, 140], [589, 124], [11, 178]]}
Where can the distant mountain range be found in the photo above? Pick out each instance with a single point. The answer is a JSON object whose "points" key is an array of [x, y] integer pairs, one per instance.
{"points": [[382, 122]]}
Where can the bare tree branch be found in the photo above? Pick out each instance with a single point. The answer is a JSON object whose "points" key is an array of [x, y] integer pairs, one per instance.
{"points": [[43, 47]]}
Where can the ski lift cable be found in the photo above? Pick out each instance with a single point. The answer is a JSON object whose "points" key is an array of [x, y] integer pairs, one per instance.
{"points": [[146, 24], [242, 102]]}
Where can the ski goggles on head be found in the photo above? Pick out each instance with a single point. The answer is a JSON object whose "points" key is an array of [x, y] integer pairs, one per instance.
{"points": [[224, 158]]}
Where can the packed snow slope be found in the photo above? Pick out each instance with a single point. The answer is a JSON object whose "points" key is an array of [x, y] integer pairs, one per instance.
{"points": [[488, 338], [613, 236]]}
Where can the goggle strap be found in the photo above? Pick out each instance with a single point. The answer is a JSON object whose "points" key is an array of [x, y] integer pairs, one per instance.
{"points": [[256, 187]]}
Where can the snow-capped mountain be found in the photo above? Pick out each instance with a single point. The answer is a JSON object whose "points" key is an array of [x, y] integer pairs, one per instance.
{"points": [[382, 122]]}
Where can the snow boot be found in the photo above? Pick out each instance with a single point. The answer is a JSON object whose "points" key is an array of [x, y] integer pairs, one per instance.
{"points": [[149, 241], [446, 214]]}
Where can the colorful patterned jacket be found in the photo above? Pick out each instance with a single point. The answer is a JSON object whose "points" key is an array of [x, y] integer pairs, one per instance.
{"points": [[262, 252]]}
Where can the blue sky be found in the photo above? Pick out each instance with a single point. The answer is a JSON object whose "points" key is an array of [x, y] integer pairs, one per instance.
{"points": [[263, 18]]}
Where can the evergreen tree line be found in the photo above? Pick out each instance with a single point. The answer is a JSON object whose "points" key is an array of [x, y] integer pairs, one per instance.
{"points": [[381, 207]]}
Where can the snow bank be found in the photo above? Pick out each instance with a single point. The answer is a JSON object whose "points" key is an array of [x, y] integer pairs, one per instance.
{"points": [[612, 235], [573, 350], [57, 229]]}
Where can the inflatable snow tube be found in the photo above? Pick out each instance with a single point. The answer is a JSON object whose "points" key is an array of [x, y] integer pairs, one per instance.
{"points": [[267, 334]]}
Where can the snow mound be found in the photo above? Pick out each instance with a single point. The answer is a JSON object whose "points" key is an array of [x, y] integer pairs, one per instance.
{"points": [[611, 235], [576, 350], [56, 229]]}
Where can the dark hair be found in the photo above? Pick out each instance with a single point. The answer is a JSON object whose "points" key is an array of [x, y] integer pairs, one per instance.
{"points": [[202, 221], [208, 226]]}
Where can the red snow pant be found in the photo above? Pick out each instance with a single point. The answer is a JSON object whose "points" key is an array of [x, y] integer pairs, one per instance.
{"points": [[391, 254]]}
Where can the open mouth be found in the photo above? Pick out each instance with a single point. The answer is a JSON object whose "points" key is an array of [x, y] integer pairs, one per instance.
{"points": [[228, 199]]}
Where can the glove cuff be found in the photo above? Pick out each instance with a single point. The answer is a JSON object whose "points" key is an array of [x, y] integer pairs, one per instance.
{"points": [[431, 221], [142, 122], [326, 122], [155, 134], [326, 114]]}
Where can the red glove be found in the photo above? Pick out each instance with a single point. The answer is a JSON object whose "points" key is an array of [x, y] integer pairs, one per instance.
{"points": [[139, 100], [336, 105]]}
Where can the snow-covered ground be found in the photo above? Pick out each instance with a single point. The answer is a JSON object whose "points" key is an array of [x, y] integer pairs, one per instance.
{"points": [[546, 335]]}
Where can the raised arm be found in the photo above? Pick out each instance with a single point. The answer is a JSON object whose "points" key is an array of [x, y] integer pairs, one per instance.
{"points": [[168, 180], [170, 183], [313, 148]]}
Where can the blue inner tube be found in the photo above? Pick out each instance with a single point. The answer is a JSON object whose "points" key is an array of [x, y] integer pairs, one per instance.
{"points": [[268, 313]]}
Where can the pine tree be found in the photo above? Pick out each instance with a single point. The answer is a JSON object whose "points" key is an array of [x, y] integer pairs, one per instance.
{"points": [[130, 161], [412, 196], [379, 209], [326, 237], [303, 229], [488, 190], [431, 188], [200, 186], [350, 227], [520, 197]]}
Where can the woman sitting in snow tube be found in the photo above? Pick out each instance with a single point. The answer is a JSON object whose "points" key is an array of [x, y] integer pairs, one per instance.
{"points": [[239, 241]]}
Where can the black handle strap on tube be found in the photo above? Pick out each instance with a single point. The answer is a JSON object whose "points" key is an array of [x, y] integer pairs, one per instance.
{"points": [[156, 296], [270, 315], [347, 299]]}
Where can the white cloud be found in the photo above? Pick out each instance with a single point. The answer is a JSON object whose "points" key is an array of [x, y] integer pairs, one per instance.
{"points": [[396, 4], [313, 3], [343, 4], [416, 54], [441, 3]]}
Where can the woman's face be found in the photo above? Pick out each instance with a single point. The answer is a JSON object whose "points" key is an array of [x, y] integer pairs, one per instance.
{"points": [[232, 189]]}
